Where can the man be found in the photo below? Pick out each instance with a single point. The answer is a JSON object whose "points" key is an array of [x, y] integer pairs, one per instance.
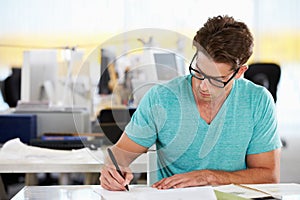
{"points": [[211, 127]]}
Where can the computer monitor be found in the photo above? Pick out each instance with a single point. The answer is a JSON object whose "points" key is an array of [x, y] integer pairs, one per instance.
{"points": [[160, 65], [39, 76], [157, 66], [166, 66]]}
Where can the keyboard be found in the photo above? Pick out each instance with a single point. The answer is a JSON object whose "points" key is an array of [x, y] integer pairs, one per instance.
{"points": [[66, 144]]}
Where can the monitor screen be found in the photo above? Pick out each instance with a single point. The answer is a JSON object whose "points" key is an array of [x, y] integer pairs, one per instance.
{"points": [[166, 66], [39, 75], [157, 66]]}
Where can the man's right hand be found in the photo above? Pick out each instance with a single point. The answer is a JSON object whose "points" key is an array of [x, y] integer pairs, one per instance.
{"points": [[110, 179], [125, 151]]}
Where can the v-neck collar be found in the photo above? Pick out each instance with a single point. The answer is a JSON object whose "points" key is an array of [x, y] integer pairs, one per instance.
{"points": [[222, 109]]}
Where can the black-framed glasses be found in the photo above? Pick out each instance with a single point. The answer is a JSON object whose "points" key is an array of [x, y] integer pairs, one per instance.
{"points": [[198, 74]]}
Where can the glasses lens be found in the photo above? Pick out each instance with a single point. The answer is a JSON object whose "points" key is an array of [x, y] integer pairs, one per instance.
{"points": [[197, 74], [216, 83], [194, 70]]}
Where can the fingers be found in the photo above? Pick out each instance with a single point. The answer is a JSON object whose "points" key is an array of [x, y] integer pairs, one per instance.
{"points": [[158, 183], [108, 182], [110, 179], [167, 183], [115, 174], [174, 183], [195, 178]]}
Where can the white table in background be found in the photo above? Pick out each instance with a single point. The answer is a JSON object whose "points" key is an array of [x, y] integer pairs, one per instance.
{"points": [[20, 158]]}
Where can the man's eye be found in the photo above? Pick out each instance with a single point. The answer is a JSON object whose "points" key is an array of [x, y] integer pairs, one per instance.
{"points": [[220, 79]]}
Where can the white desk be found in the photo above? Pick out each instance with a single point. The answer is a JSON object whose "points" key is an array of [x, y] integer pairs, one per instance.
{"points": [[92, 192], [74, 192], [87, 165], [20, 158], [57, 193], [69, 165]]}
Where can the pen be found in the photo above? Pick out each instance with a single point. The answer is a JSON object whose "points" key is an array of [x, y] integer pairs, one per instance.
{"points": [[113, 159]]}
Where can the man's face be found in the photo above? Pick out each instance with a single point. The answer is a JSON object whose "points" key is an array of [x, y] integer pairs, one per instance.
{"points": [[214, 76]]}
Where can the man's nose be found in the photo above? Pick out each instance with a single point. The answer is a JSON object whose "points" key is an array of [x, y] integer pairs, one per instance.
{"points": [[204, 83]]}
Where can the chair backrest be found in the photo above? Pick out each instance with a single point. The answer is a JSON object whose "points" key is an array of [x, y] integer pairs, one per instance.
{"points": [[113, 122], [265, 74], [12, 88]]}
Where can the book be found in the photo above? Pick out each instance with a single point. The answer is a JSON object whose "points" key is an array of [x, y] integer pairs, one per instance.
{"points": [[261, 191], [44, 137]]}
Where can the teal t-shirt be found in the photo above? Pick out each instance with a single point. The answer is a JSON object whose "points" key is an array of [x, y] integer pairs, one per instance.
{"points": [[168, 117]]}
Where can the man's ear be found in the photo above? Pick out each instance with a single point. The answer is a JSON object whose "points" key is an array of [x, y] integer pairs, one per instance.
{"points": [[241, 71]]}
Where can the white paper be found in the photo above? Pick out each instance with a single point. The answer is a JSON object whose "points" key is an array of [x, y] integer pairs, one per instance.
{"points": [[137, 192], [281, 189]]}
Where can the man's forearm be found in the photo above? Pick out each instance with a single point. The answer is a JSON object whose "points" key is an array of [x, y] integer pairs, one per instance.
{"points": [[248, 176], [126, 150]]}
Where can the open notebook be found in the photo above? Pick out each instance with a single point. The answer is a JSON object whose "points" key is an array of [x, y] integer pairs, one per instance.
{"points": [[253, 191]]}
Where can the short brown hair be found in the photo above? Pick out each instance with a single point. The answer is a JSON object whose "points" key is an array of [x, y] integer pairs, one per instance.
{"points": [[225, 40]]}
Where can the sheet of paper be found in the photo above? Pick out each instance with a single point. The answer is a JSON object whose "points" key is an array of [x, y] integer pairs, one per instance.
{"points": [[138, 192]]}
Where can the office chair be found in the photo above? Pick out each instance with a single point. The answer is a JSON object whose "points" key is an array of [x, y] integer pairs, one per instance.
{"points": [[265, 74], [113, 121], [12, 88]]}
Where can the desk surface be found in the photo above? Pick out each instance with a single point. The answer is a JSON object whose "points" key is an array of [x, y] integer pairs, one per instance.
{"points": [[57, 193], [92, 192], [74, 192], [88, 164]]}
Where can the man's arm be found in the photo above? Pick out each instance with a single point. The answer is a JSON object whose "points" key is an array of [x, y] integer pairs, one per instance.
{"points": [[125, 151], [262, 168]]}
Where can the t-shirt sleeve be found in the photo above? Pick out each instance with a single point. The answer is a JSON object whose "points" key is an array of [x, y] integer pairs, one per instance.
{"points": [[144, 123], [265, 132]]}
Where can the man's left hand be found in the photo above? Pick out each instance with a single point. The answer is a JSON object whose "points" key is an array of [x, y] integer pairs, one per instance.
{"points": [[194, 178]]}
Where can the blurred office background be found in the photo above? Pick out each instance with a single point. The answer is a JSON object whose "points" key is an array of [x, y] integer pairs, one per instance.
{"points": [[83, 25]]}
